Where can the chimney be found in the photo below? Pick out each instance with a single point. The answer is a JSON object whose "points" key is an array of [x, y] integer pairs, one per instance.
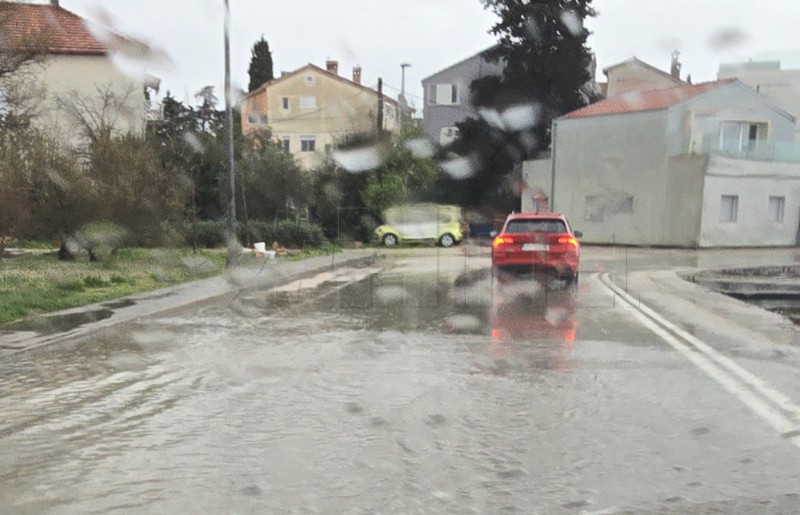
{"points": [[54, 3], [357, 74], [675, 69], [332, 66]]}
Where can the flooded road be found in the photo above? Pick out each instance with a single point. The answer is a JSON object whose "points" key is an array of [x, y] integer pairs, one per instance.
{"points": [[420, 386]]}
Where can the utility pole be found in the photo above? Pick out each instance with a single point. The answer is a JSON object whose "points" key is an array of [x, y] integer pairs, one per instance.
{"points": [[229, 136], [380, 105], [403, 102], [403, 67]]}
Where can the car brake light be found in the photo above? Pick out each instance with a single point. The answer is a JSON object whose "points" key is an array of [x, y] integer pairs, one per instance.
{"points": [[568, 240], [502, 240]]}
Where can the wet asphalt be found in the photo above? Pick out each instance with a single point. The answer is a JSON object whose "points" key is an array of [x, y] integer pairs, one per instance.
{"points": [[414, 384]]}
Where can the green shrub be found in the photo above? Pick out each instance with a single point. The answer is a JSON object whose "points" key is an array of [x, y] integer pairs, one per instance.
{"points": [[298, 234], [287, 233], [208, 233], [258, 230]]}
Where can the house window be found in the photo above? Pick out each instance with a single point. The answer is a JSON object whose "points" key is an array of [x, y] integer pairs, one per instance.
{"points": [[286, 143], [309, 79], [308, 144], [262, 119], [776, 208], [432, 94], [285, 103], [252, 119], [729, 208], [308, 102], [623, 205], [445, 94], [447, 135], [593, 208], [736, 138]]}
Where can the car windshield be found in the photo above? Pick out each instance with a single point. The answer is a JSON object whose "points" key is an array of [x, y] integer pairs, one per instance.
{"points": [[418, 256], [535, 225]]}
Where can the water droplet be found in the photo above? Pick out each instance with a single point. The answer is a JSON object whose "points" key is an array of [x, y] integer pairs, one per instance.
{"points": [[727, 38], [57, 179], [458, 168], [420, 147], [521, 117], [493, 118], [533, 29], [633, 99], [151, 338], [194, 142], [389, 294], [359, 159], [463, 323], [572, 22]]}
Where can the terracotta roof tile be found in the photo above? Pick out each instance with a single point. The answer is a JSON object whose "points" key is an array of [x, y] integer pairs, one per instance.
{"points": [[54, 28], [635, 102]]}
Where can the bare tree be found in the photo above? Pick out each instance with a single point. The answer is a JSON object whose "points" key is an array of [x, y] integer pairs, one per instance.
{"points": [[19, 46], [101, 115]]}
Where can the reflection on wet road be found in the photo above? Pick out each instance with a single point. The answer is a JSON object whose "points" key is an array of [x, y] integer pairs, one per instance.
{"points": [[416, 389]]}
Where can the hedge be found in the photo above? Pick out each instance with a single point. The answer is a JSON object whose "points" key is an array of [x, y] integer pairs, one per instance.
{"points": [[288, 233]]}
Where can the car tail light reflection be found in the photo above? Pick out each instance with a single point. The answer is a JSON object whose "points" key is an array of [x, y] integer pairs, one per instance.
{"points": [[503, 240], [568, 240]]}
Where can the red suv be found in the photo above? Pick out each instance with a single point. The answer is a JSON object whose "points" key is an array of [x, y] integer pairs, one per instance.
{"points": [[537, 243]]}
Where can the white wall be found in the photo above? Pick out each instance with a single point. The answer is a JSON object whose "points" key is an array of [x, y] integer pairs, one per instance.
{"points": [[613, 158], [64, 76], [754, 182], [537, 175]]}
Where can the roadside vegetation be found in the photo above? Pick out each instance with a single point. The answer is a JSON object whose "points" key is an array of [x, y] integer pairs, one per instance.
{"points": [[33, 284]]}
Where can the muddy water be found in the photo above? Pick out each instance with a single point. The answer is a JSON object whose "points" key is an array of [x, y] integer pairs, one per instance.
{"points": [[400, 392]]}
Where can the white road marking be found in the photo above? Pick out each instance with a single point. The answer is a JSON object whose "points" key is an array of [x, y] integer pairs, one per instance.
{"points": [[703, 356]]}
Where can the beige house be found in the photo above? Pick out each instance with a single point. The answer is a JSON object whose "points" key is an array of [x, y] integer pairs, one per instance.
{"points": [[310, 109], [75, 75], [635, 76]]}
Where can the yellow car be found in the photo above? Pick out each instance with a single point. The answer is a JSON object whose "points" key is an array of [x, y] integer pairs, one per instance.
{"points": [[421, 222]]}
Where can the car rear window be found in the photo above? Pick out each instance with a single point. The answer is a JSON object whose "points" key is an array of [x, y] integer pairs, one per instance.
{"points": [[521, 226]]}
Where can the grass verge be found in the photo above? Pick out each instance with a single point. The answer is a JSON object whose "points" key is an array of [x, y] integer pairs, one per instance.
{"points": [[34, 284]]}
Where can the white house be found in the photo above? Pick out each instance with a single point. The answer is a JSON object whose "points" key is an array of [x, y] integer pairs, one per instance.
{"points": [[77, 68], [768, 78], [712, 164]]}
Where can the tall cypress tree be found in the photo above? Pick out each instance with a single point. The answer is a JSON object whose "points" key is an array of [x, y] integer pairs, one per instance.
{"points": [[260, 69]]}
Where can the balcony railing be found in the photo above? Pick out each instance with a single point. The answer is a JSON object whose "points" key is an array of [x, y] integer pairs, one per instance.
{"points": [[778, 151]]}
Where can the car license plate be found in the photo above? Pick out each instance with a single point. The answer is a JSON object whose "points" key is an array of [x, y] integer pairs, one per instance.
{"points": [[535, 247]]}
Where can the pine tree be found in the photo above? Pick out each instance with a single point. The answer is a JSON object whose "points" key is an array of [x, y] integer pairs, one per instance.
{"points": [[542, 44], [260, 69]]}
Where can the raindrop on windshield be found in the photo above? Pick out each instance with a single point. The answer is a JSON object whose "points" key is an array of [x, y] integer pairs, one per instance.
{"points": [[194, 142], [533, 29], [727, 38], [458, 168], [521, 117], [358, 160], [572, 22], [420, 147]]}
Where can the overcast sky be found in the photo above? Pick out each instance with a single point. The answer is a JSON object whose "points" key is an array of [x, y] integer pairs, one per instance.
{"points": [[432, 34]]}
